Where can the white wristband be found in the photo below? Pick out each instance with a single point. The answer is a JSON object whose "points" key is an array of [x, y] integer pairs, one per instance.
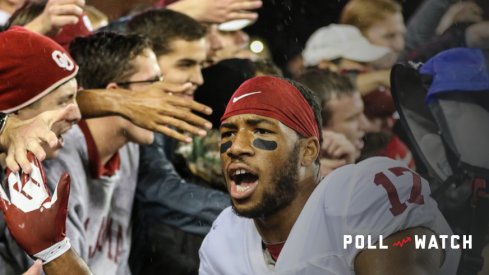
{"points": [[53, 251]]}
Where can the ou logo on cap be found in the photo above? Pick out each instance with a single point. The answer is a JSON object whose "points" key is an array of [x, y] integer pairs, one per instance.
{"points": [[62, 60]]}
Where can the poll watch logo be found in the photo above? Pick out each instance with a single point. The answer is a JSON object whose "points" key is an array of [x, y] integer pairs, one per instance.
{"points": [[62, 60], [420, 242]]}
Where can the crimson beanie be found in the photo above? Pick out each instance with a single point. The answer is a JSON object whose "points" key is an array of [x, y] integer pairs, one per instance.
{"points": [[276, 98], [31, 66]]}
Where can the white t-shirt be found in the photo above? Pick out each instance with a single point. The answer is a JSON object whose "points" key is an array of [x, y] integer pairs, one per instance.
{"points": [[347, 202]]}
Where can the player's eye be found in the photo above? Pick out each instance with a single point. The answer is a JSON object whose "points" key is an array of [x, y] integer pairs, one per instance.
{"points": [[262, 131]]}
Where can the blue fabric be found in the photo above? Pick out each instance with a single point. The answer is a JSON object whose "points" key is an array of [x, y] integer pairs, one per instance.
{"points": [[170, 214], [162, 196], [458, 69]]}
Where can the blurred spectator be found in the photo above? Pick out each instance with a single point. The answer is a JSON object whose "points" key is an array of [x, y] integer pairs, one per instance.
{"points": [[380, 21], [234, 40], [105, 162], [342, 112], [171, 214], [25, 92], [179, 43], [440, 25], [343, 49], [380, 140], [213, 45]]}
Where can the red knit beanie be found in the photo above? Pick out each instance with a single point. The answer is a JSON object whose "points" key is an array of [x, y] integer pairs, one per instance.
{"points": [[31, 66]]}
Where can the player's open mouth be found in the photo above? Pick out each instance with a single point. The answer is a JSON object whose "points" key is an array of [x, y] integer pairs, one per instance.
{"points": [[243, 183]]}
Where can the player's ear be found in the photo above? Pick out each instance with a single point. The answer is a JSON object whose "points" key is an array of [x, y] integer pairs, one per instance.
{"points": [[309, 150]]}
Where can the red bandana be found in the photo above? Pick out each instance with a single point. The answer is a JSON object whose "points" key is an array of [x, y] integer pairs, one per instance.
{"points": [[275, 98]]}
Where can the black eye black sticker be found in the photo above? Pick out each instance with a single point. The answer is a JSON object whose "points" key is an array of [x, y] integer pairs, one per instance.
{"points": [[225, 146], [265, 144]]}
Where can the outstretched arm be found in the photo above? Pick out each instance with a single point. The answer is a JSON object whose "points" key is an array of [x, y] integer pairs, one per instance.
{"points": [[217, 11], [154, 109]]}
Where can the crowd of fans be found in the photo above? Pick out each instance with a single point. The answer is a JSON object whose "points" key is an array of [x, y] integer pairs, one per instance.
{"points": [[125, 110]]}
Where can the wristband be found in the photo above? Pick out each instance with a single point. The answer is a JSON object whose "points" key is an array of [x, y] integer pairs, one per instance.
{"points": [[53, 251]]}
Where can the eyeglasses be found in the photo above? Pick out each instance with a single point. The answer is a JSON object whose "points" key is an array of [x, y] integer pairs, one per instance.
{"points": [[149, 81]]}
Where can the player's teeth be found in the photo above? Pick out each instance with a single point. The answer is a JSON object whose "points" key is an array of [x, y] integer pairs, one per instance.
{"points": [[240, 188], [239, 172]]}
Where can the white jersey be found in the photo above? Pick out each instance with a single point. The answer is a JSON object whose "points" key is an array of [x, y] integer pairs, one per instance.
{"points": [[99, 207], [353, 200]]}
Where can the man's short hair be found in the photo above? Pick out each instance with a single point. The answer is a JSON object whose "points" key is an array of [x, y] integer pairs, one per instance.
{"points": [[106, 57], [313, 101], [327, 85], [163, 27], [365, 13]]}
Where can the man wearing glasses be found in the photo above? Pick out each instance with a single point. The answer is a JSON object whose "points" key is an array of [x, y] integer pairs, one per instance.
{"points": [[102, 154]]}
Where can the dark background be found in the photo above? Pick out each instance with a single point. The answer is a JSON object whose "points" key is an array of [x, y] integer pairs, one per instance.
{"points": [[284, 24]]}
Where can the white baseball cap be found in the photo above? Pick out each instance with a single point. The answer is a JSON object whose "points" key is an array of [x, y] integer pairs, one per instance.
{"points": [[340, 41]]}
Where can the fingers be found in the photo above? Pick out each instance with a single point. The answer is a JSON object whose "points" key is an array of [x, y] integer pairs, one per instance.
{"points": [[36, 149], [329, 165], [183, 125], [30, 135], [242, 15], [174, 134], [80, 3], [64, 12], [191, 104], [242, 9], [180, 108], [74, 7], [167, 87], [247, 5], [35, 269], [184, 119], [49, 138], [11, 162], [20, 156], [337, 146], [332, 163]]}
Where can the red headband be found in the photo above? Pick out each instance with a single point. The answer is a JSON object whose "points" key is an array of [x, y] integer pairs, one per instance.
{"points": [[275, 98]]}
